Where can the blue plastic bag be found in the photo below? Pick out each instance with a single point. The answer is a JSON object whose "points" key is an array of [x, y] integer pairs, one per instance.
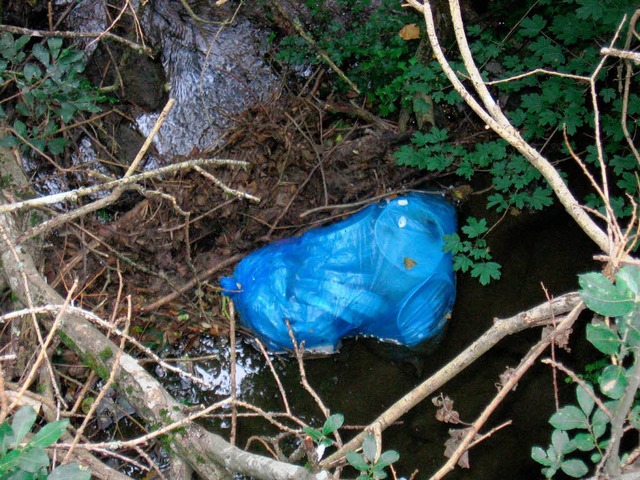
{"points": [[381, 272]]}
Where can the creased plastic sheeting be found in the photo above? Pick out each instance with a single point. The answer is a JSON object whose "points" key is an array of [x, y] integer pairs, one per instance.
{"points": [[381, 272]]}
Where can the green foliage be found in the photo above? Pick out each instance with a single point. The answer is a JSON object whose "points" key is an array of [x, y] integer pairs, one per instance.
{"points": [[50, 91], [364, 43], [29, 461], [544, 35], [618, 340], [321, 437], [473, 254], [370, 467]]}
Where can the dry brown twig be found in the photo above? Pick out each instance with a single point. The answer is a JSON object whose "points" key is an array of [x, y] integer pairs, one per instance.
{"points": [[538, 316], [525, 364]]}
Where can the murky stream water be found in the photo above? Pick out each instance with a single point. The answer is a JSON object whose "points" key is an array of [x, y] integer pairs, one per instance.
{"points": [[361, 383]]}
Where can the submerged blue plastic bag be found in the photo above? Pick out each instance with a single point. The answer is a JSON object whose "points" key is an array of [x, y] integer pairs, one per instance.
{"points": [[381, 272]]}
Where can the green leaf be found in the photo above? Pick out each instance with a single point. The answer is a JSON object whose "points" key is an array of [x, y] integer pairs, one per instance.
{"points": [[333, 423], [599, 423], [634, 417], [629, 328], [66, 111], [55, 44], [369, 447], [531, 27], [6, 438], [33, 460], [486, 271], [57, 145], [585, 399], [574, 468], [539, 455], [604, 297], [474, 227], [584, 442], [49, 434], [388, 457], [629, 278], [31, 71], [561, 442], [356, 461], [41, 53], [21, 128], [568, 418], [613, 381], [601, 336], [9, 461], [70, 471], [21, 424], [316, 435]]}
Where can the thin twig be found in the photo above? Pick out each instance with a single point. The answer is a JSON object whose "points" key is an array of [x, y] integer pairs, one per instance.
{"points": [[103, 391], [526, 363], [579, 381], [232, 371], [65, 34]]}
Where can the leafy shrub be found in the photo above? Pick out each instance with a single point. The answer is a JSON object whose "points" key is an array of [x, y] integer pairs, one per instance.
{"points": [[370, 467], [560, 36], [583, 427], [50, 91], [364, 43], [29, 461]]}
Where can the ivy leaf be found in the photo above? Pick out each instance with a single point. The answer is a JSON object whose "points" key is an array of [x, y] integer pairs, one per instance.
{"points": [[634, 417], [540, 198], [531, 27], [486, 271], [474, 227], [568, 418], [590, 9], [608, 94]]}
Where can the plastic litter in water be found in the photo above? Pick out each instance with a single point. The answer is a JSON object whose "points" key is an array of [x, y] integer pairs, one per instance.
{"points": [[381, 272]]}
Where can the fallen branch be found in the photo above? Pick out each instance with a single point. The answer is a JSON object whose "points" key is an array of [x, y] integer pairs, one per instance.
{"points": [[541, 315], [508, 386]]}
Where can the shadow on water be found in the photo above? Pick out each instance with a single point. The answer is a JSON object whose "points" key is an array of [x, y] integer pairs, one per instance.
{"points": [[361, 382]]}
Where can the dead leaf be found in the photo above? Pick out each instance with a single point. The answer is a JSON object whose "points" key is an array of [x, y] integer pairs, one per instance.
{"points": [[409, 263], [410, 32], [450, 446], [445, 413]]}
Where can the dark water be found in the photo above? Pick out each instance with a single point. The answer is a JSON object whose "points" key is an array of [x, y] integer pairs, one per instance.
{"points": [[361, 382]]}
